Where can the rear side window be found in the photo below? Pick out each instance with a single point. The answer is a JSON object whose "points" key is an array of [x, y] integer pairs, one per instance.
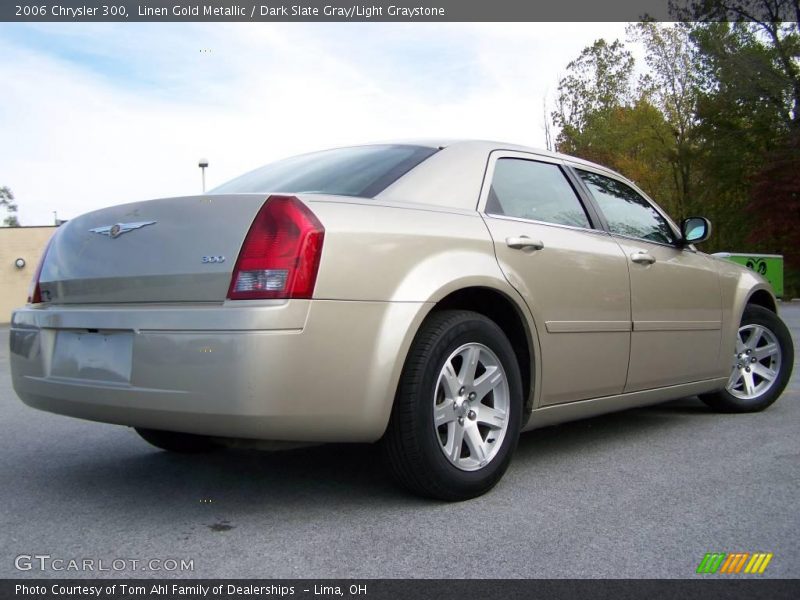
{"points": [[626, 211], [358, 171], [533, 190]]}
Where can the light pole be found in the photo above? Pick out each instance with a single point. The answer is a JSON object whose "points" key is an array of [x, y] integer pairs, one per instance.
{"points": [[203, 164]]}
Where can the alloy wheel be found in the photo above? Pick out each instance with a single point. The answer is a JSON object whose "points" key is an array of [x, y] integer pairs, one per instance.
{"points": [[757, 362], [471, 407]]}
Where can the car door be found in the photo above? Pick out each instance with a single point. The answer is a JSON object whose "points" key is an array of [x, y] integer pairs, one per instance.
{"points": [[675, 292], [572, 275]]}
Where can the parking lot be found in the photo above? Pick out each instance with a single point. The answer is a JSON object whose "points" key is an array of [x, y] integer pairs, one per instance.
{"points": [[643, 493]]}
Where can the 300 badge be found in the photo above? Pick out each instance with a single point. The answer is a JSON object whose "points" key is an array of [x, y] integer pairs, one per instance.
{"points": [[212, 259]]}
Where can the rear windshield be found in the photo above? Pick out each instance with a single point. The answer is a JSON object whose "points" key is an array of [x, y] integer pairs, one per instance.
{"points": [[358, 171]]}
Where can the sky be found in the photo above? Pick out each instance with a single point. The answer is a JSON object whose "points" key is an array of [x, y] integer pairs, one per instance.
{"points": [[97, 114]]}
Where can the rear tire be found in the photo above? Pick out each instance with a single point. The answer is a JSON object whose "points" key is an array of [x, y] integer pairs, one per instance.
{"points": [[174, 441], [458, 408], [762, 365]]}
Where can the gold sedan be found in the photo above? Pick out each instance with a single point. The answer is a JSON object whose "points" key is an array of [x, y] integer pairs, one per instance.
{"points": [[436, 297]]}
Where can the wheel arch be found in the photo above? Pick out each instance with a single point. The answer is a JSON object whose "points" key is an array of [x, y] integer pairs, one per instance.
{"points": [[511, 316], [762, 297]]}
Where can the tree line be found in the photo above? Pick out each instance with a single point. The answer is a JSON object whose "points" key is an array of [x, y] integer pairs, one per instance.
{"points": [[708, 125]]}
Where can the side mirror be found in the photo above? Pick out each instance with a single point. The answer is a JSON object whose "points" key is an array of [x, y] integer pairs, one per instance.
{"points": [[695, 230]]}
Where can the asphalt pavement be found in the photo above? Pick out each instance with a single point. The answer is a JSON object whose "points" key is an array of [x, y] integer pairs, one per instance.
{"points": [[643, 494]]}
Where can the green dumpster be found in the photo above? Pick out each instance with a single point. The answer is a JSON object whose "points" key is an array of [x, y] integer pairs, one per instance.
{"points": [[768, 265]]}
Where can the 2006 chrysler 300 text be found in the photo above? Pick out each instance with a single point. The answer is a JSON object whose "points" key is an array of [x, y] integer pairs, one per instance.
{"points": [[438, 297]]}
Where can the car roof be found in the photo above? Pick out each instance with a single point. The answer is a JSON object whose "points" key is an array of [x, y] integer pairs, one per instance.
{"points": [[491, 146], [453, 177]]}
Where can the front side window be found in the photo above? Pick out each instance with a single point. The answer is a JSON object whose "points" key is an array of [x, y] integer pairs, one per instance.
{"points": [[533, 190], [626, 211]]}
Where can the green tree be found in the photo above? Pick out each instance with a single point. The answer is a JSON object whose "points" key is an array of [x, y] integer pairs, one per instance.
{"points": [[749, 121], [769, 45], [775, 206], [7, 202], [671, 84], [631, 140], [605, 119], [597, 81], [712, 127], [749, 112]]}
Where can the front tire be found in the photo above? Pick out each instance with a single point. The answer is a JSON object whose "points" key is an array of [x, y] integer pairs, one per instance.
{"points": [[762, 364], [173, 441], [457, 412]]}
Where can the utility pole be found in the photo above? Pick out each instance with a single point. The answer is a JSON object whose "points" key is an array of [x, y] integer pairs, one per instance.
{"points": [[203, 164]]}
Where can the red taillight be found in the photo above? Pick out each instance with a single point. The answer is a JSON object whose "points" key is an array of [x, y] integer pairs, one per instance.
{"points": [[280, 255], [34, 291]]}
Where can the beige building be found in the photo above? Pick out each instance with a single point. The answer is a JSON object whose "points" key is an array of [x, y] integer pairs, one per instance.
{"points": [[26, 243]]}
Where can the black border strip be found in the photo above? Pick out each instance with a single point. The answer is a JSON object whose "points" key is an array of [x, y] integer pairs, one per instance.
{"points": [[730, 588], [392, 10]]}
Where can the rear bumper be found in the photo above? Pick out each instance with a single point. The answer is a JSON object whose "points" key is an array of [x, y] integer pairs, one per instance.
{"points": [[313, 371]]}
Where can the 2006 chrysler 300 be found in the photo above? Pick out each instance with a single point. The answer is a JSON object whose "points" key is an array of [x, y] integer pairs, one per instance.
{"points": [[438, 297]]}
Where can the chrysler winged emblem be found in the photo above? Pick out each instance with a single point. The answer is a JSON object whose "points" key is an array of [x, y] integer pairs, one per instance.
{"points": [[114, 231]]}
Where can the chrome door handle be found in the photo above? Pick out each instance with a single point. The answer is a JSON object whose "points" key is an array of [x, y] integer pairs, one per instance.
{"points": [[643, 258], [523, 242]]}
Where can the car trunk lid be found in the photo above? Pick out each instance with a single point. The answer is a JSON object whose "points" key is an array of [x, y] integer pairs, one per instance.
{"points": [[169, 250]]}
